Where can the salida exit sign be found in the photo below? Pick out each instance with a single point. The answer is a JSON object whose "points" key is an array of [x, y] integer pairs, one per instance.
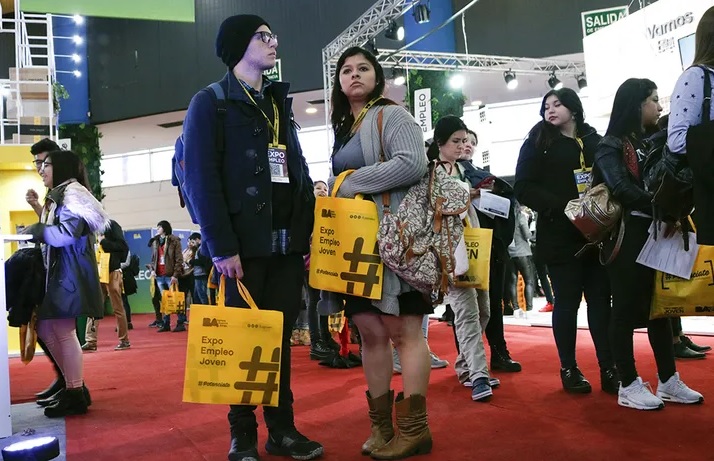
{"points": [[597, 19]]}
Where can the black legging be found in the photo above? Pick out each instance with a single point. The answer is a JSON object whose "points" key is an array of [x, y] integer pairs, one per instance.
{"points": [[542, 272], [525, 267], [494, 329], [318, 324], [632, 286]]}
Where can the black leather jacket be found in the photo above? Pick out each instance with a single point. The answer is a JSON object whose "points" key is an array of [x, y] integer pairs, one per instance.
{"points": [[611, 169]]}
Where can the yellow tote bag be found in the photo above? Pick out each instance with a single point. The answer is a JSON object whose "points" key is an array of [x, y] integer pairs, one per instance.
{"points": [[675, 297], [103, 265], [233, 354], [478, 247], [344, 257], [173, 301]]}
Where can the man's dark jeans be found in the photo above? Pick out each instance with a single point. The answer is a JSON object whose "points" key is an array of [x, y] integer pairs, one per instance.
{"points": [[275, 283]]}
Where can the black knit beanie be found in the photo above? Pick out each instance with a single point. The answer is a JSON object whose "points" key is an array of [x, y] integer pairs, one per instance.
{"points": [[234, 37]]}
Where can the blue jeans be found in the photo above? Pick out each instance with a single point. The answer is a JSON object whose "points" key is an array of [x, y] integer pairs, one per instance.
{"points": [[164, 283], [200, 289]]}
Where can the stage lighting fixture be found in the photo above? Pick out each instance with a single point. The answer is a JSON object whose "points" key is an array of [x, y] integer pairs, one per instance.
{"points": [[76, 57], [39, 449], [511, 80], [554, 82], [77, 73], [77, 40], [394, 32], [457, 81], [311, 110], [422, 13], [582, 82], [79, 20], [399, 77], [371, 46]]}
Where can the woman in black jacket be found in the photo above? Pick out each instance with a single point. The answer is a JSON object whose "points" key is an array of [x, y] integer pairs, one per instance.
{"points": [[553, 167], [619, 160]]}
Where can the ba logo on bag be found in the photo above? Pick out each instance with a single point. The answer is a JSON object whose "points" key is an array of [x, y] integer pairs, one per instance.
{"points": [[328, 213], [213, 322]]}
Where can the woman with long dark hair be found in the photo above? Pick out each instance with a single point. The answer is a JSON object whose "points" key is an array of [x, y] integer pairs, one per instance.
{"points": [[357, 107], [69, 221], [553, 168], [618, 162]]}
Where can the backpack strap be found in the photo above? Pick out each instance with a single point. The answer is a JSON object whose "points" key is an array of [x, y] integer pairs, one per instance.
{"points": [[707, 103], [221, 115]]}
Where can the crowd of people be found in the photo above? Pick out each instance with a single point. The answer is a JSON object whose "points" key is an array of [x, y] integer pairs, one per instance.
{"points": [[256, 216]]}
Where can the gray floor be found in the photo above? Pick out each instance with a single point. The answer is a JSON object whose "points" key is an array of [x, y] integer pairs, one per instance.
{"points": [[29, 421]]}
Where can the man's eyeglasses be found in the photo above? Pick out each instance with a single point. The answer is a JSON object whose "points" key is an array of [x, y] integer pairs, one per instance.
{"points": [[44, 165], [266, 37]]}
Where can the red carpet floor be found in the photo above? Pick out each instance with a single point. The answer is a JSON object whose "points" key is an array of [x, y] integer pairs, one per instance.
{"points": [[138, 415]]}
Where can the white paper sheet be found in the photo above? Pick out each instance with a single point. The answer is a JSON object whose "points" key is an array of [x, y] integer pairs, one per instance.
{"points": [[492, 205], [668, 255]]}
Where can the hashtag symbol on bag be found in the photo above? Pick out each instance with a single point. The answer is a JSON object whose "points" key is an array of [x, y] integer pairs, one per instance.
{"points": [[356, 257], [254, 366]]}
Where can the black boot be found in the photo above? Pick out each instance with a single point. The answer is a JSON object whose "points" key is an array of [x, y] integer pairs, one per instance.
{"points": [[610, 380], [501, 360], [54, 398], [244, 447], [292, 443], [681, 351], [574, 381], [70, 402], [687, 341]]}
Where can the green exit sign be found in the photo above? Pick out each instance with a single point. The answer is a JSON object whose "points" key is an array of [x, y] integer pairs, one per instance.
{"points": [[276, 73], [598, 19]]}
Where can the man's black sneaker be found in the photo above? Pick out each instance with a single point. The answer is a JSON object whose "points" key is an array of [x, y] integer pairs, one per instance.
{"points": [[319, 350], [292, 443], [574, 381], [243, 448]]}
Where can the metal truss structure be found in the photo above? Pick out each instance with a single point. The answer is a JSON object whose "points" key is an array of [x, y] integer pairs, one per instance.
{"points": [[378, 17], [426, 60]]}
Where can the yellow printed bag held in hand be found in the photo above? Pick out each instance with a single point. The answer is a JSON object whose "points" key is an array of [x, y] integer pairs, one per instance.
{"points": [[173, 301], [675, 297], [344, 257], [478, 248], [103, 265], [233, 354]]}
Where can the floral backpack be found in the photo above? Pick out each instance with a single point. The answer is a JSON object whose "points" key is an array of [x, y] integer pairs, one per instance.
{"points": [[418, 241]]}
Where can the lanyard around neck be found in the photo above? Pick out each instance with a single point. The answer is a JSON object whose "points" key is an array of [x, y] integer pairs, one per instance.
{"points": [[274, 125], [582, 156], [362, 114]]}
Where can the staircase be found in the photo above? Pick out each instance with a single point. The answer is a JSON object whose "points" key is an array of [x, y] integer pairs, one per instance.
{"points": [[27, 114]]}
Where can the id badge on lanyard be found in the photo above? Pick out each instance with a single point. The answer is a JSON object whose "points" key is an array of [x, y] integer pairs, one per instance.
{"points": [[583, 175], [277, 153]]}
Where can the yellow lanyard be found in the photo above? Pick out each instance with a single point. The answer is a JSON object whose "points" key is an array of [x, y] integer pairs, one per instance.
{"points": [[362, 114], [274, 126], [582, 156]]}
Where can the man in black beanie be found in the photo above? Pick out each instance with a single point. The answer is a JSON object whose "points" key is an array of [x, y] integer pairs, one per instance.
{"points": [[253, 200]]}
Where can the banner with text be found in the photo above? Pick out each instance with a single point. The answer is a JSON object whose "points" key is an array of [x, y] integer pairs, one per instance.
{"points": [[422, 109]]}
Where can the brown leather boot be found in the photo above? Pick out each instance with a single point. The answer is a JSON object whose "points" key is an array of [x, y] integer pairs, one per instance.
{"points": [[414, 437], [380, 414]]}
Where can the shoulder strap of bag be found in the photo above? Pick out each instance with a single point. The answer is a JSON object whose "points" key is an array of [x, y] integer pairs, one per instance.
{"points": [[386, 199], [220, 115], [707, 103]]}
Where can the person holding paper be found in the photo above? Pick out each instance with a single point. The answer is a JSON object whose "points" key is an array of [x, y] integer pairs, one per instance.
{"points": [[554, 168], [618, 162]]}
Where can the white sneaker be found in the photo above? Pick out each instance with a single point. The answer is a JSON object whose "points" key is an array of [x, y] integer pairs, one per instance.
{"points": [[639, 395], [674, 390]]}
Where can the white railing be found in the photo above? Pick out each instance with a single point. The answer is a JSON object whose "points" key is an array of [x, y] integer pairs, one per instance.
{"points": [[5, 404]]}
